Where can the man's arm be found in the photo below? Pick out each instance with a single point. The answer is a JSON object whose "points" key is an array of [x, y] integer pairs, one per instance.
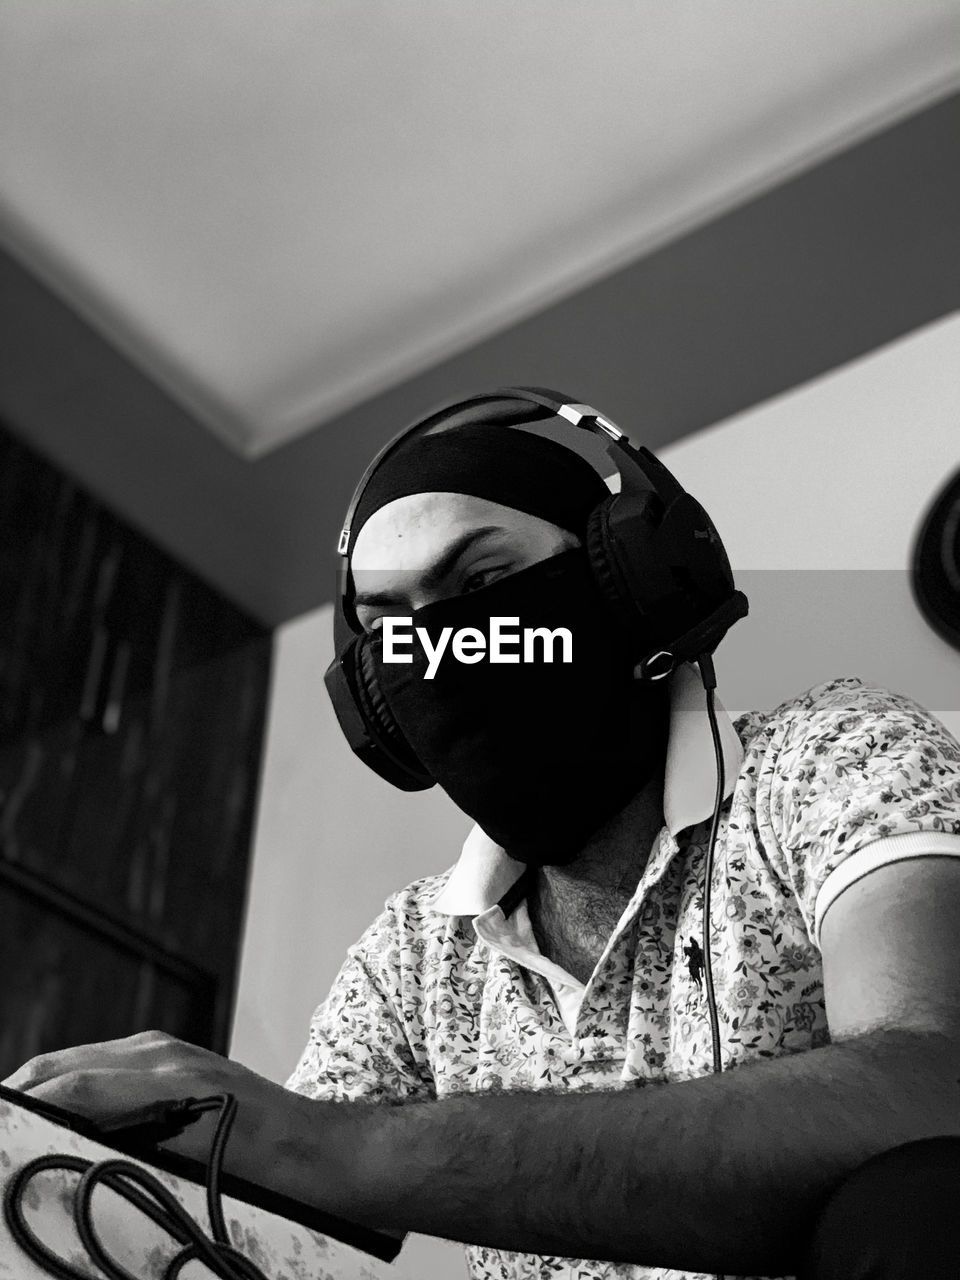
{"points": [[723, 1173], [717, 1174]]}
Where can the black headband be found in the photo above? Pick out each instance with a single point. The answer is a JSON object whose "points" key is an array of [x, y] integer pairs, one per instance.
{"points": [[502, 464]]}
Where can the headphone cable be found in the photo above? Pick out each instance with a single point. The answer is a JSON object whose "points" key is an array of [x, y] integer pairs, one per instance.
{"points": [[709, 678]]}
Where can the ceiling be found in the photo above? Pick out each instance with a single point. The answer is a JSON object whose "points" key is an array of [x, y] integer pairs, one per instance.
{"points": [[241, 243], [280, 210]]}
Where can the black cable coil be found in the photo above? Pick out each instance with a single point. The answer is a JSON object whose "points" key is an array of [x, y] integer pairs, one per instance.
{"points": [[146, 1193]]}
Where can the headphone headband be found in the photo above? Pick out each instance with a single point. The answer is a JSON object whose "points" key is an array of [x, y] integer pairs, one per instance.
{"points": [[551, 403]]}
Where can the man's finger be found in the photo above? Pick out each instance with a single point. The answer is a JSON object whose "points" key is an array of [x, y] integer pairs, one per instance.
{"points": [[86, 1092], [99, 1093], [46, 1066]]}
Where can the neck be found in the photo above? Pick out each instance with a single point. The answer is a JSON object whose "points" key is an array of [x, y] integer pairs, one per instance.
{"points": [[574, 908]]}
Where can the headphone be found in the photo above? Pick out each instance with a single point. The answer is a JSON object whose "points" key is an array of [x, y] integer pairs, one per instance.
{"points": [[655, 556]]}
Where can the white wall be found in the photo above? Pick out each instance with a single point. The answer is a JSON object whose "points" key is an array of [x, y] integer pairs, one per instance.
{"points": [[830, 479], [818, 495]]}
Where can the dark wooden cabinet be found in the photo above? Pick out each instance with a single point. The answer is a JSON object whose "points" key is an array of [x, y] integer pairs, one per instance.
{"points": [[132, 709]]}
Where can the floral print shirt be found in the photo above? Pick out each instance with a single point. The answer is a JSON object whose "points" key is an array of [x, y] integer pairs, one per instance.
{"points": [[830, 785]]}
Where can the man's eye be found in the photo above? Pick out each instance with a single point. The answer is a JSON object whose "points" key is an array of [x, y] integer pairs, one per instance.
{"points": [[482, 578], [370, 621]]}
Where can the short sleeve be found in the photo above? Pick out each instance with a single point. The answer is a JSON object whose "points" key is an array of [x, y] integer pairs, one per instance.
{"points": [[851, 768], [358, 1047]]}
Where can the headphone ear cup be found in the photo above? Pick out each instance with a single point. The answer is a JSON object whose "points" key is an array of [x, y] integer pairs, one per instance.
{"points": [[702, 570], [606, 572], [663, 572], [618, 584], [380, 720], [367, 724]]}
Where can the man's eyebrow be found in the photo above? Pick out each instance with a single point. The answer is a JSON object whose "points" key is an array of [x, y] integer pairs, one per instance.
{"points": [[436, 572]]}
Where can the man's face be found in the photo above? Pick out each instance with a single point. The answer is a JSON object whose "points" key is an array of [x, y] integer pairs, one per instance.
{"points": [[431, 546]]}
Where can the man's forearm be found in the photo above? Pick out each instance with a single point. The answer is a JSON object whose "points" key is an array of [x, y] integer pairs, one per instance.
{"points": [[722, 1173]]}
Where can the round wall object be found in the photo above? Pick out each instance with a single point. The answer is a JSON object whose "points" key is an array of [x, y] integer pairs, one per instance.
{"points": [[936, 564]]}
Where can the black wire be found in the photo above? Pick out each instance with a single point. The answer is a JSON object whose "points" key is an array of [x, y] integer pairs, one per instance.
{"points": [[143, 1190], [709, 678], [707, 886]]}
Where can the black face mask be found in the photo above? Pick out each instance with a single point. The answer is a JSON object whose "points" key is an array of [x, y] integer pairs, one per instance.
{"points": [[540, 754]]}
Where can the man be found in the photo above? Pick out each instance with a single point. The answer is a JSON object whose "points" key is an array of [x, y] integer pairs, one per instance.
{"points": [[569, 981]]}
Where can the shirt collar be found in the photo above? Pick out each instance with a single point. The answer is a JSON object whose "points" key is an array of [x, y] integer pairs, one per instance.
{"points": [[484, 872]]}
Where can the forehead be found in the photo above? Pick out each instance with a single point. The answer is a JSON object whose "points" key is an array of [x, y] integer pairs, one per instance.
{"points": [[409, 532]]}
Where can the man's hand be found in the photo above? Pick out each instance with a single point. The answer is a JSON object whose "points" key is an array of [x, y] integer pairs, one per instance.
{"points": [[272, 1138]]}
